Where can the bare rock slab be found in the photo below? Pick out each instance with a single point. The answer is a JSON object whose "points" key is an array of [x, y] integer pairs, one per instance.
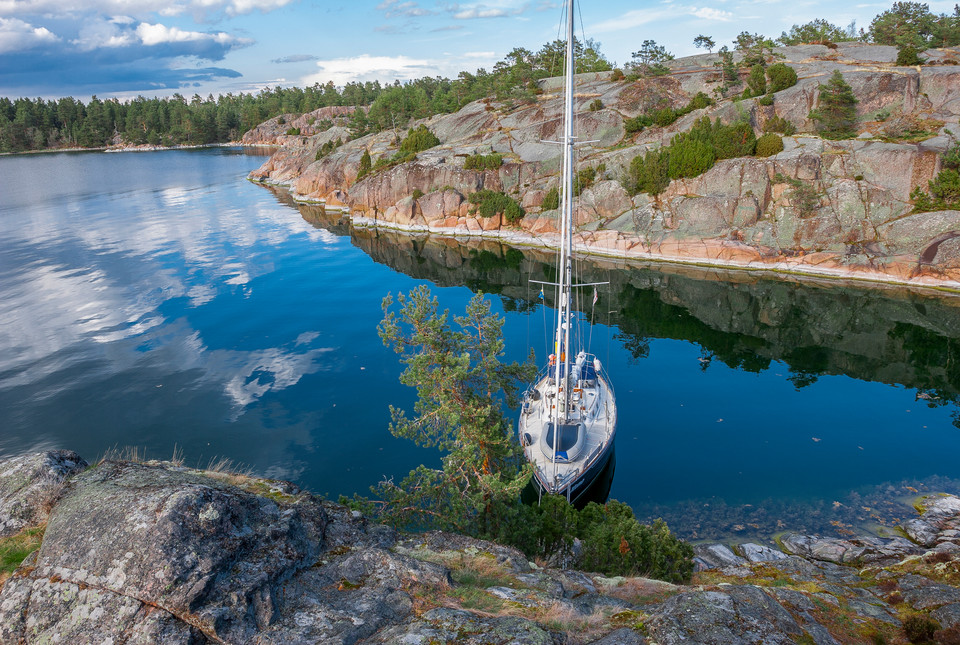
{"points": [[852, 551], [445, 625], [742, 615], [715, 556], [30, 484], [761, 553]]}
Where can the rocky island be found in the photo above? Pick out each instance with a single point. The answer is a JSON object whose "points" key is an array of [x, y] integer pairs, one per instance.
{"points": [[841, 208], [155, 552]]}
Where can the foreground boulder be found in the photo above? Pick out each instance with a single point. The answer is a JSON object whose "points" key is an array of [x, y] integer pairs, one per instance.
{"points": [[157, 553]]}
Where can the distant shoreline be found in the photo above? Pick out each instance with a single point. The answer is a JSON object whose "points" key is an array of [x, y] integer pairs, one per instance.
{"points": [[141, 148]]}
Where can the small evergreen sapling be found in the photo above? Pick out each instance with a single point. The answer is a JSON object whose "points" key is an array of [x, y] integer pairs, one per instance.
{"points": [[836, 115], [365, 165]]}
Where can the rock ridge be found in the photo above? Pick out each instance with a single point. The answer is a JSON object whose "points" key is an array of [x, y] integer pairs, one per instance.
{"points": [[741, 213]]}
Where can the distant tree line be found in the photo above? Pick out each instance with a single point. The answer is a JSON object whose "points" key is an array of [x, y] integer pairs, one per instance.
{"points": [[37, 124]]}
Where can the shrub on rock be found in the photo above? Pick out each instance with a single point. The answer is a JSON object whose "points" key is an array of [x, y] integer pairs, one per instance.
{"points": [[769, 144], [781, 125], [551, 201], [490, 203], [365, 165], [418, 140], [781, 76]]}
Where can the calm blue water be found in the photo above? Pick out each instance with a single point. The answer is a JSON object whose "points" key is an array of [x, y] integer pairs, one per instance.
{"points": [[160, 300]]}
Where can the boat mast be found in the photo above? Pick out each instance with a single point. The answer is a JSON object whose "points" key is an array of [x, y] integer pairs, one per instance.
{"points": [[566, 237]]}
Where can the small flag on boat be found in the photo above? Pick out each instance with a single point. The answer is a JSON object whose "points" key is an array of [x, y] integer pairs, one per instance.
{"points": [[541, 293], [595, 296]]}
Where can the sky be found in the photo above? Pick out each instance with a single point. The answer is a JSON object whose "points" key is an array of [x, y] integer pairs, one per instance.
{"points": [[125, 48]]}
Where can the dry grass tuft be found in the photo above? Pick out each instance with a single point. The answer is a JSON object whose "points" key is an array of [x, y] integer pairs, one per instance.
{"points": [[177, 458], [134, 454], [581, 628], [641, 590]]}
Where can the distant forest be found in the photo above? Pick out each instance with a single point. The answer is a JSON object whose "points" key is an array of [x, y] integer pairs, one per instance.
{"points": [[38, 124]]}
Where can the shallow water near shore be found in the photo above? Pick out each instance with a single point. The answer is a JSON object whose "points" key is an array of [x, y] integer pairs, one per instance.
{"points": [[160, 300]]}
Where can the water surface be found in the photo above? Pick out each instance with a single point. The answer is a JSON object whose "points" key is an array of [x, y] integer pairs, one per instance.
{"points": [[161, 300]]}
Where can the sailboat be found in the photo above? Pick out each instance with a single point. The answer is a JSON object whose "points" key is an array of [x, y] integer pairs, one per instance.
{"points": [[568, 419]]}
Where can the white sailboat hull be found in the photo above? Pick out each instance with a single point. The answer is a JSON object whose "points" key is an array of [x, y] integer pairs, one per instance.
{"points": [[568, 456]]}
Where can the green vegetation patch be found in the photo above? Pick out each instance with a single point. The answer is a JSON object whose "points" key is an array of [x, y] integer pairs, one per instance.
{"points": [[769, 144], [491, 203], [666, 116], [779, 124], [417, 140], [551, 201], [944, 189], [689, 154], [836, 114], [366, 165], [329, 147], [483, 162], [781, 77], [15, 549]]}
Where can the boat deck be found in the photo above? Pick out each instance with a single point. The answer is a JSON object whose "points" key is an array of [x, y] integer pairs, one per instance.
{"points": [[592, 408]]}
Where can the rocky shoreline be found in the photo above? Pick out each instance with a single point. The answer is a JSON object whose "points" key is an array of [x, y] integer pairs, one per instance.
{"points": [[741, 213], [156, 552]]}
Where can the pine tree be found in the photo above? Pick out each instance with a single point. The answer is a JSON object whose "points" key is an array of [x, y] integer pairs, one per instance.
{"points": [[365, 165], [836, 115], [460, 382]]}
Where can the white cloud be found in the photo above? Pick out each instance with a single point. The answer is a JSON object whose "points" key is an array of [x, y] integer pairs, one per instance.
{"points": [[98, 33], [492, 9], [387, 69], [632, 19], [138, 7], [159, 34], [409, 9], [247, 6], [17, 35], [370, 68], [711, 14], [478, 12]]}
